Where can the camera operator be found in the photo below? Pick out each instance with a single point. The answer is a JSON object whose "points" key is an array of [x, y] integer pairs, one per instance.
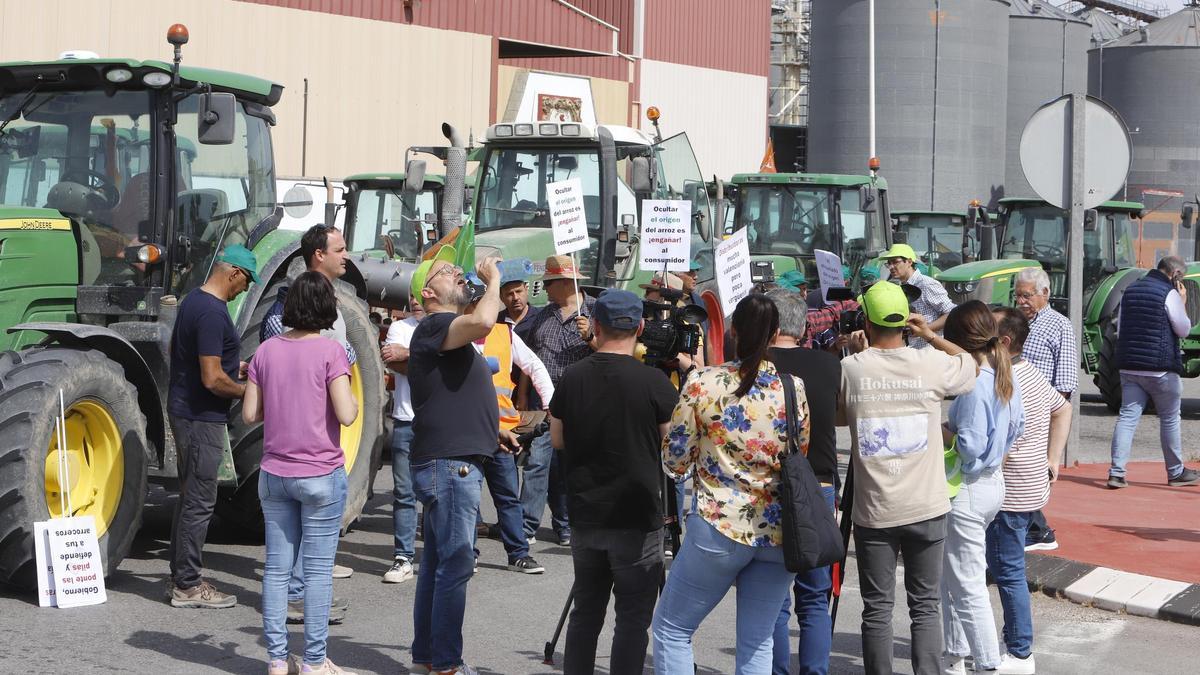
{"points": [[608, 417]]}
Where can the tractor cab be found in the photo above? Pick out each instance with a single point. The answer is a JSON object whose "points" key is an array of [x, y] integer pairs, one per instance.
{"points": [[936, 236], [788, 216], [617, 167], [384, 213]]}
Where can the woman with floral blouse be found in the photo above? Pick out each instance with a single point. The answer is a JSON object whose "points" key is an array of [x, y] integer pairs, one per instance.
{"points": [[730, 426]]}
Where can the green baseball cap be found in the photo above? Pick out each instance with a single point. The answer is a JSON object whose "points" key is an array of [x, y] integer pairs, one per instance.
{"points": [[240, 257], [421, 274], [899, 251], [885, 304]]}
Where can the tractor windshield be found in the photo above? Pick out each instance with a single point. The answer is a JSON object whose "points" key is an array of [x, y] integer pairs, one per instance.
{"points": [[936, 237], [224, 193], [390, 213], [80, 154], [513, 187], [785, 220]]}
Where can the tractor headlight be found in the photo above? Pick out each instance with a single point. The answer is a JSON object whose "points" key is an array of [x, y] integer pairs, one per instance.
{"points": [[118, 75], [156, 79]]}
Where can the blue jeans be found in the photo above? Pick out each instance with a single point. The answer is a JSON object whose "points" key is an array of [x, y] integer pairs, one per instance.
{"points": [[303, 518], [1136, 390], [404, 502], [812, 589], [449, 490], [501, 475], [968, 625], [543, 480], [709, 563], [1006, 562]]}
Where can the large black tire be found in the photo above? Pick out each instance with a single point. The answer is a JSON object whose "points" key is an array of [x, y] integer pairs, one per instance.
{"points": [[239, 506], [1108, 376], [30, 381]]}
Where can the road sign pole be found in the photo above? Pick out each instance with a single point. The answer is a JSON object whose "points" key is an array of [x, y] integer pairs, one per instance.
{"points": [[1075, 259]]}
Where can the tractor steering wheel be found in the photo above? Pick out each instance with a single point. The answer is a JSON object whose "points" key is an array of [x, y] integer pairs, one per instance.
{"points": [[1048, 252], [96, 181]]}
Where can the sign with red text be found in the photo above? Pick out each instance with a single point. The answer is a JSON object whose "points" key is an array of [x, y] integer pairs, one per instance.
{"points": [[567, 218], [75, 574], [665, 239]]}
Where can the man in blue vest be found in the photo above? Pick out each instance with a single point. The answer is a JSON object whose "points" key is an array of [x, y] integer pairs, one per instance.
{"points": [[1153, 319]]}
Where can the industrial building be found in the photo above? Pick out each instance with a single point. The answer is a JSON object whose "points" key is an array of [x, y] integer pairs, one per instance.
{"points": [[366, 79]]}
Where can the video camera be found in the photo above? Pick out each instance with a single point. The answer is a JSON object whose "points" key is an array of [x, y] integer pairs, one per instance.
{"points": [[670, 330]]}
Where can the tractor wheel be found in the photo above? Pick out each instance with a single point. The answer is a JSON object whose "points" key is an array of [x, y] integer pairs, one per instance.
{"points": [[361, 441], [1108, 376], [106, 452]]}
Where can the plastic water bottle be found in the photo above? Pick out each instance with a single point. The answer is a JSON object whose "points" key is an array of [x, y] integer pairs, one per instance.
{"points": [[516, 269]]}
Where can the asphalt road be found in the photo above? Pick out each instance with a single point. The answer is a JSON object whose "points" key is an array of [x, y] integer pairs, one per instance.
{"points": [[509, 616]]}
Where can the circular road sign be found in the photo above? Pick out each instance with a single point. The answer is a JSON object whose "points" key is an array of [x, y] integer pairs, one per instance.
{"points": [[1046, 152]]}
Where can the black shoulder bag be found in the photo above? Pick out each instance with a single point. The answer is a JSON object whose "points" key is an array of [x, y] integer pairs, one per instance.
{"points": [[811, 538]]}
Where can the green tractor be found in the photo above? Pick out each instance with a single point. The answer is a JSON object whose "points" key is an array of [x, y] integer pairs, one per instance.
{"points": [[386, 211], [120, 181], [788, 216], [1032, 233], [510, 212], [945, 239]]}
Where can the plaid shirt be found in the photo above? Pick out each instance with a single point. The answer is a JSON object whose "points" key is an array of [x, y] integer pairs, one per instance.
{"points": [[556, 341], [823, 318], [1051, 349], [933, 303]]}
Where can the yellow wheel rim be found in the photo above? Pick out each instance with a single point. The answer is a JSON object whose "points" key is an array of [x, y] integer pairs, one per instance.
{"points": [[95, 465], [352, 435]]}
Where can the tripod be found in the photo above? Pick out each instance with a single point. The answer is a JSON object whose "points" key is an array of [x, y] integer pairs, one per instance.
{"points": [[672, 524]]}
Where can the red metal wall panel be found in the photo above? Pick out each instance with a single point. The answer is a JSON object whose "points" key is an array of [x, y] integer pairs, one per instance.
{"points": [[714, 34], [545, 22], [616, 12]]}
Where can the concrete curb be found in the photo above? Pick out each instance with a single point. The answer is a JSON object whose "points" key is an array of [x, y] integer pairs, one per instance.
{"points": [[1113, 590]]}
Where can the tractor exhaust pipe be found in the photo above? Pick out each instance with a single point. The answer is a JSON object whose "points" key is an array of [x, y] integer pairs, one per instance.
{"points": [[456, 181], [387, 281]]}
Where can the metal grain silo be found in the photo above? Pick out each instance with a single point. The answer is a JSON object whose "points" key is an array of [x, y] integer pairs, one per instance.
{"points": [[1152, 78], [1105, 26], [941, 92], [1047, 57]]}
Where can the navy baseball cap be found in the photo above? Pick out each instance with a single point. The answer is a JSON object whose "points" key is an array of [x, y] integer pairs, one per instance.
{"points": [[618, 309]]}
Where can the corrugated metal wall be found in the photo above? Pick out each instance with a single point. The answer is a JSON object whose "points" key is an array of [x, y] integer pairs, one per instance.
{"points": [[719, 34]]}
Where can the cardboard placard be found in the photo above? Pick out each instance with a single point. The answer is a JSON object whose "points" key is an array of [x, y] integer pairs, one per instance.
{"points": [[567, 217], [733, 270], [75, 574], [829, 272], [665, 239]]}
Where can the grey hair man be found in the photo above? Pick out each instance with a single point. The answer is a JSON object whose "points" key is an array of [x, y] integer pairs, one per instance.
{"points": [[1152, 321], [1052, 350]]}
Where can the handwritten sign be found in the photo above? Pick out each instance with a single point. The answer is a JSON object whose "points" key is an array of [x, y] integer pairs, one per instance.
{"points": [[567, 218], [665, 237], [829, 271], [733, 270], [74, 576]]}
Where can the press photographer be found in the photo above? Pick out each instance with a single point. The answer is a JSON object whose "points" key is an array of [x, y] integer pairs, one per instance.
{"points": [[672, 339]]}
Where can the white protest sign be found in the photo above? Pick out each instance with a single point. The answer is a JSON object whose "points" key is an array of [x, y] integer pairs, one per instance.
{"points": [[567, 218], [733, 270], [45, 571], [665, 238], [78, 573], [829, 271]]}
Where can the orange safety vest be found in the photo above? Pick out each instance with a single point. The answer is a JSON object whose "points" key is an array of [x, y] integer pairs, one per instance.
{"points": [[499, 345]]}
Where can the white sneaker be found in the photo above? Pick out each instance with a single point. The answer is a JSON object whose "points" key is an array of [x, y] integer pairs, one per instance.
{"points": [[1011, 665], [401, 571], [953, 665], [342, 572], [327, 668]]}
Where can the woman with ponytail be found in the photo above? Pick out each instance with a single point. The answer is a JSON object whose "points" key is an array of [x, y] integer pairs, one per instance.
{"points": [[986, 422], [730, 426]]}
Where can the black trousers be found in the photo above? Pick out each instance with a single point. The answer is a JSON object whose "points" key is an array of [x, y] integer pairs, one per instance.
{"points": [[199, 446], [628, 566]]}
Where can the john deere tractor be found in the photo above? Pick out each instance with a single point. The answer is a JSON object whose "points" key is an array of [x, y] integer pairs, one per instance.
{"points": [[120, 180], [1032, 233], [790, 215]]}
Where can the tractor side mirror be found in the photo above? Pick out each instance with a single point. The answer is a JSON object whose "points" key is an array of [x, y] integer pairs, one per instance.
{"points": [[1091, 220], [414, 176], [1187, 216], [868, 198], [639, 175], [215, 123]]}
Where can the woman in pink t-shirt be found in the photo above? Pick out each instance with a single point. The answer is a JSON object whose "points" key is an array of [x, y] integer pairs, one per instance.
{"points": [[299, 389]]}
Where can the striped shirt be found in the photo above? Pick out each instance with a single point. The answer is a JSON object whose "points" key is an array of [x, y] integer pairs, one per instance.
{"points": [[1051, 349], [1026, 470]]}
